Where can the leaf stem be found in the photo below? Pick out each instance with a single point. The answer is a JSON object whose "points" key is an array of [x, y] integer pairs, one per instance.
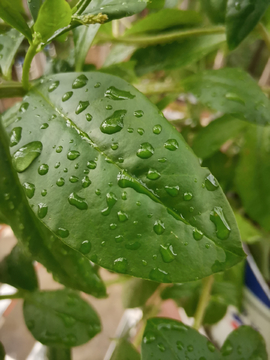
{"points": [[264, 34], [119, 280], [32, 51], [203, 301], [17, 295]]}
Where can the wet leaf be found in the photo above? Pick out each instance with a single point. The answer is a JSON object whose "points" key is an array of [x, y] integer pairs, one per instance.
{"points": [[137, 291], [125, 351], [60, 318], [58, 353]]}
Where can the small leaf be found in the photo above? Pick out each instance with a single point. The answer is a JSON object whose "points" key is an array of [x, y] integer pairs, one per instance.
{"points": [[210, 138], [2, 352], [10, 13], [215, 10], [231, 91], [137, 291], [53, 15], [169, 339], [60, 318], [125, 351], [58, 353], [118, 54], [34, 6], [249, 233], [17, 270], [241, 18]]}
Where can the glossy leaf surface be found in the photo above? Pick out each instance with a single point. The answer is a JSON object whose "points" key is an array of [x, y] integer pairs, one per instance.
{"points": [[2, 352], [34, 6], [17, 270], [170, 339], [9, 44], [58, 353], [10, 12], [132, 196], [60, 318], [241, 18], [137, 291], [67, 266], [231, 91], [125, 351], [166, 57]]}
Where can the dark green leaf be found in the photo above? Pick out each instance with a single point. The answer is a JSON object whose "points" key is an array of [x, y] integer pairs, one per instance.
{"points": [[231, 91], [125, 351], [155, 4], [10, 13], [164, 19], [249, 233], [137, 291], [34, 6], [210, 138], [169, 339], [9, 44], [115, 9], [241, 18], [68, 266], [166, 57], [2, 352], [253, 173], [58, 353], [60, 318], [53, 15], [124, 180], [17, 270], [9, 89], [215, 10]]}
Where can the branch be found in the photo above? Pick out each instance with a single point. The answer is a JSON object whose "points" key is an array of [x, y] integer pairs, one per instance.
{"points": [[203, 302]]}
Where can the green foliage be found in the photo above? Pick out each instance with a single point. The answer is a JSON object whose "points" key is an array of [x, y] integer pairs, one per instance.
{"points": [[74, 321], [215, 10], [58, 353], [170, 339], [34, 6], [137, 291], [249, 233], [125, 351], [2, 352]]}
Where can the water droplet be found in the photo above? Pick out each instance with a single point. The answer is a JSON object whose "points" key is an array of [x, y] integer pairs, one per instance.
{"points": [[162, 160], [130, 130], [79, 82], [138, 113], [111, 200], [86, 182], [222, 227], [207, 246], [15, 136], [81, 107], [122, 216], [146, 151], [24, 157], [134, 245], [43, 169], [91, 165], [97, 85], [187, 196], [59, 149], [113, 123], [124, 195], [113, 226], [180, 345], [42, 210], [24, 107], [44, 126], [62, 232], [167, 253], [73, 154], [144, 262], [171, 144], [236, 98], [161, 347], [73, 179], [44, 192], [120, 160], [65, 170], [172, 190], [67, 96], [211, 347], [108, 107], [98, 192], [153, 174], [211, 183], [60, 182], [190, 348], [159, 227], [197, 234], [140, 131], [138, 203], [114, 146], [119, 238], [54, 86], [85, 247], [29, 189], [157, 129], [89, 117], [77, 201], [120, 265], [159, 275], [115, 94]]}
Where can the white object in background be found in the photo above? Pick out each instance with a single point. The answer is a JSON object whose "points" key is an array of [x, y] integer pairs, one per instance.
{"points": [[38, 352]]}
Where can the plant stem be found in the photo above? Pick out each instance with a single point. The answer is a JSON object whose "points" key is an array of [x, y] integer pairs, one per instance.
{"points": [[119, 280], [264, 34], [203, 302], [17, 295], [27, 63]]}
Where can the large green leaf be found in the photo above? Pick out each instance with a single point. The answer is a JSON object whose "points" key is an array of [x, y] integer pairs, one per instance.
{"points": [[231, 91], [60, 318], [130, 193], [166, 57], [241, 18], [2, 352], [53, 15], [11, 14], [9, 44], [17, 270], [137, 291], [125, 351], [215, 10], [67, 266], [210, 138], [164, 19], [252, 176], [169, 339], [58, 353], [34, 6]]}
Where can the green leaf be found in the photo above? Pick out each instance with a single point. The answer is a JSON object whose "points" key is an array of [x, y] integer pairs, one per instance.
{"points": [[60, 318], [210, 138], [53, 15], [121, 174], [67, 265], [136, 292], [155, 4], [9, 44], [10, 13], [215, 10], [169, 339], [34, 6], [241, 18], [115, 9], [252, 175], [249, 233], [123, 70], [2, 352], [83, 38], [17, 270], [9, 89], [118, 54], [164, 19], [166, 57], [58, 353], [125, 351], [231, 91]]}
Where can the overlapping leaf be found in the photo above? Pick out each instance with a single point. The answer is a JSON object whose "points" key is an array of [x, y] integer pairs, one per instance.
{"points": [[123, 188], [137, 291], [125, 351], [34, 6]]}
